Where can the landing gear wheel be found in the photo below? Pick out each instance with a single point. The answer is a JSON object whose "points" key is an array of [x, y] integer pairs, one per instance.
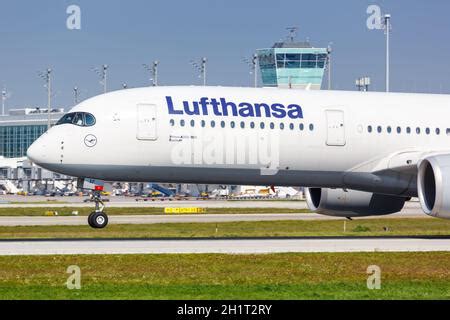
{"points": [[98, 220]]}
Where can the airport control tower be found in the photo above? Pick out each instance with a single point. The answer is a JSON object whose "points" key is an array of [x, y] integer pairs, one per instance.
{"points": [[292, 64]]}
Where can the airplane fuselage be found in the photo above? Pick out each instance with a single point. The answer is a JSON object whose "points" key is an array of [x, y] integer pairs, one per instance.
{"points": [[218, 135]]}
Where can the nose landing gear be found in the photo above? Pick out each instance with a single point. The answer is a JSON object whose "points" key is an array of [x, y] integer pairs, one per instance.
{"points": [[98, 219]]}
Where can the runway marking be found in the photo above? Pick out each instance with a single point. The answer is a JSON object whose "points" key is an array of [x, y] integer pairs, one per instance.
{"points": [[222, 246]]}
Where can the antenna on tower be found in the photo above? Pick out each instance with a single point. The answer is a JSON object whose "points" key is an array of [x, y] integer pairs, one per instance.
{"points": [[292, 33]]}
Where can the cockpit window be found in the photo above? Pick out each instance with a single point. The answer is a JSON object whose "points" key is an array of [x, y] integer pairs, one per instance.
{"points": [[89, 119], [81, 119]]}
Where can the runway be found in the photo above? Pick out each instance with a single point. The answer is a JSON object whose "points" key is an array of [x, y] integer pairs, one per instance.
{"points": [[198, 218], [223, 246], [130, 202]]}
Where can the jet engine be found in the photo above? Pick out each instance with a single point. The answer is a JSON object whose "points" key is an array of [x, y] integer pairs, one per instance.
{"points": [[351, 203], [433, 184]]}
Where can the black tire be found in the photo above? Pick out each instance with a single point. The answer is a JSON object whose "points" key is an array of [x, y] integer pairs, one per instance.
{"points": [[98, 220]]}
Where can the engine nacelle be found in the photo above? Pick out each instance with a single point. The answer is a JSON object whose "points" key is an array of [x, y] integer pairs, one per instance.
{"points": [[433, 186], [351, 203]]}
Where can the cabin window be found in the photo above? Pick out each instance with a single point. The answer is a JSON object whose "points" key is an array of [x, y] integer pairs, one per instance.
{"points": [[222, 124], [252, 125], [182, 123], [418, 130], [282, 126], [291, 126], [427, 130], [192, 123], [272, 125], [438, 131], [203, 123], [232, 124], [369, 129], [302, 126], [399, 130], [213, 124], [408, 130], [243, 125], [262, 125], [311, 127], [389, 129], [172, 122]]}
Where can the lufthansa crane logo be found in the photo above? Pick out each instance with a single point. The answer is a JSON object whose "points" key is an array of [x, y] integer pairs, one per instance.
{"points": [[90, 140]]}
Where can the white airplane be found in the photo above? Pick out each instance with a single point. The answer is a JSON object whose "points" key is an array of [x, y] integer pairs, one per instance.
{"points": [[359, 154]]}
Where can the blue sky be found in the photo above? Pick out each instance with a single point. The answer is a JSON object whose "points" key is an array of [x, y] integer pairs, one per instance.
{"points": [[126, 34]]}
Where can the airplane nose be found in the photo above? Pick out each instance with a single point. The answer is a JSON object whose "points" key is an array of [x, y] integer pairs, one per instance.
{"points": [[36, 152]]}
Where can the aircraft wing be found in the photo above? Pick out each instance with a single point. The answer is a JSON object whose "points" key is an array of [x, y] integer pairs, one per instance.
{"points": [[392, 174]]}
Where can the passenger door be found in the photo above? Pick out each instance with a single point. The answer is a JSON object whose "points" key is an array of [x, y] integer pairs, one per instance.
{"points": [[335, 128], [146, 122]]}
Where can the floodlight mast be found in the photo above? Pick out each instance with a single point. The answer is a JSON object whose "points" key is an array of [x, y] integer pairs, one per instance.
{"points": [[201, 68], [4, 97], [153, 71], [47, 77], [329, 51], [49, 96], [103, 74], [76, 93], [105, 77], [387, 28], [204, 60], [253, 64]]}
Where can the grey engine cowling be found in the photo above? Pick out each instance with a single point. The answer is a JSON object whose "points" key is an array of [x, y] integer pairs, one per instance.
{"points": [[351, 203]]}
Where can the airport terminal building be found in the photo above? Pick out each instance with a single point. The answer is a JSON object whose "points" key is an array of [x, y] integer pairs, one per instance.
{"points": [[21, 127], [18, 130]]}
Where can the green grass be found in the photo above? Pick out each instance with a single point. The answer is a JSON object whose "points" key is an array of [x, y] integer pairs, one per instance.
{"points": [[367, 227], [84, 211], [218, 277]]}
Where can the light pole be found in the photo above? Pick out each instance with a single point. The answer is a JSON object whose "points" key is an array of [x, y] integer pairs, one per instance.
{"points": [[76, 93], [201, 69], [47, 77], [49, 95], [329, 51], [387, 29], [253, 64], [204, 70], [103, 74], [4, 97], [105, 77], [154, 72]]}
